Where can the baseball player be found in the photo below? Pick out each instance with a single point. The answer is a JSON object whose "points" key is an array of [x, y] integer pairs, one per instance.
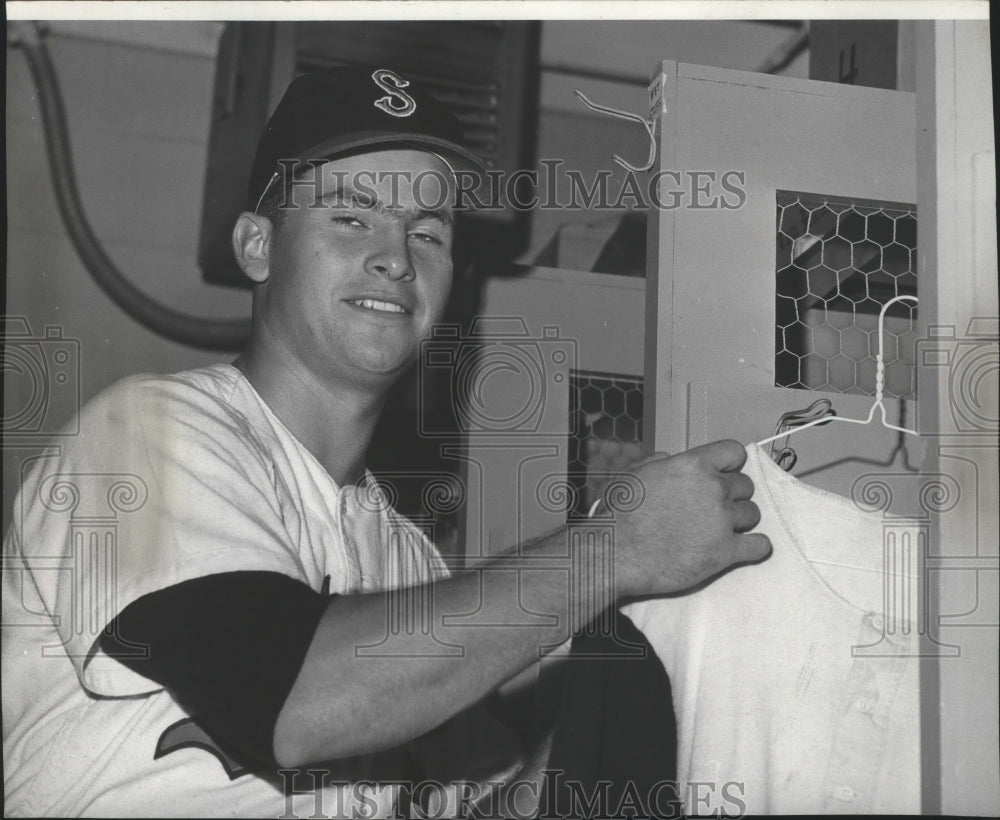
{"points": [[210, 609]]}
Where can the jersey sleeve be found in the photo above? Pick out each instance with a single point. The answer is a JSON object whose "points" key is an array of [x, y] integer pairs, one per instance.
{"points": [[228, 648], [162, 484]]}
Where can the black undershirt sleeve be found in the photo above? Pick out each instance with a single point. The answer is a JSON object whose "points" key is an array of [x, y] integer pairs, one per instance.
{"points": [[228, 647]]}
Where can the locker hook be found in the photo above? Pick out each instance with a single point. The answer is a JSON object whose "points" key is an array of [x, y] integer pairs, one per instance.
{"points": [[626, 115]]}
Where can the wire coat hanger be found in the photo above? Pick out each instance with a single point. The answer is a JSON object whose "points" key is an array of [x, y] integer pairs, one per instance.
{"points": [[827, 418], [786, 457], [878, 404]]}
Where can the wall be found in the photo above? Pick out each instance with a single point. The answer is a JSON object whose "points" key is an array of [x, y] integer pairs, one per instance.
{"points": [[138, 98]]}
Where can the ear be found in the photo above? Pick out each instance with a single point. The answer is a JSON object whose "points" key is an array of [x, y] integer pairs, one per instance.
{"points": [[252, 245]]}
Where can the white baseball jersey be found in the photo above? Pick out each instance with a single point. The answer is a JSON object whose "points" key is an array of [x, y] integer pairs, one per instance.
{"points": [[795, 680], [171, 478]]}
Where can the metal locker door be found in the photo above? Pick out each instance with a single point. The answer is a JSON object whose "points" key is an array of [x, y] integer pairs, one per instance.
{"points": [[738, 149]]}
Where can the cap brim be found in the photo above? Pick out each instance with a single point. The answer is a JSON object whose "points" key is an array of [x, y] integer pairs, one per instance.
{"points": [[460, 158]]}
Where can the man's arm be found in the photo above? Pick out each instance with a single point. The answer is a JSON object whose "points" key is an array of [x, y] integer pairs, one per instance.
{"points": [[689, 526]]}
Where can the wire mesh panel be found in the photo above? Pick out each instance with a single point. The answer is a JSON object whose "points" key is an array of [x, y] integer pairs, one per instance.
{"points": [[607, 411], [838, 262]]}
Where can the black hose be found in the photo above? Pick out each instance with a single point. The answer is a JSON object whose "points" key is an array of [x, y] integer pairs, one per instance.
{"points": [[229, 335]]}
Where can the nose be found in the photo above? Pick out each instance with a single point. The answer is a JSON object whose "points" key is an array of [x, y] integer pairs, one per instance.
{"points": [[390, 254]]}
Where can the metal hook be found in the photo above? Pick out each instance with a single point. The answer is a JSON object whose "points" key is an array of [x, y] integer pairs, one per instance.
{"points": [[626, 115]]}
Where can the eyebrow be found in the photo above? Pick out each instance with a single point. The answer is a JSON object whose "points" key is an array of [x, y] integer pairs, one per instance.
{"points": [[347, 196]]}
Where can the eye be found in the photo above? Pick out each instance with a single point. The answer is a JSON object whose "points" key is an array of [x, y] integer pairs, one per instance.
{"points": [[431, 232], [426, 236], [348, 220]]}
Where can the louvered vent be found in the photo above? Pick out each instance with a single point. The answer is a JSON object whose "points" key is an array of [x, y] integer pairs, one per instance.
{"points": [[478, 68]]}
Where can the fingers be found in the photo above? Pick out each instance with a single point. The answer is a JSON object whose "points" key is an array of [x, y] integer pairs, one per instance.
{"points": [[657, 456], [746, 516], [740, 486], [726, 455], [751, 547]]}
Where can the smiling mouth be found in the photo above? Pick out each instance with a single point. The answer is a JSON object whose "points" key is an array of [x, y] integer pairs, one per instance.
{"points": [[377, 305]]}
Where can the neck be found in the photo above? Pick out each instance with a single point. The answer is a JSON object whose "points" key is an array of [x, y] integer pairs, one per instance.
{"points": [[334, 422]]}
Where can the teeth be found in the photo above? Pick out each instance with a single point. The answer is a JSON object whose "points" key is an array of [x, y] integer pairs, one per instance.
{"points": [[375, 304]]}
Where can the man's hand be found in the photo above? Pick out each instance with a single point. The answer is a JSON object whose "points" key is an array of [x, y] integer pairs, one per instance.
{"points": [[691, 523]]}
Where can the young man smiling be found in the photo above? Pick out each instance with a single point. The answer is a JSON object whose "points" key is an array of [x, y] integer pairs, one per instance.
{"points": [[345, 293], [255, 571]]}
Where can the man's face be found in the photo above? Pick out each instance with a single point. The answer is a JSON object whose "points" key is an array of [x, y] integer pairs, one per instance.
{"points": [[355, 284]]}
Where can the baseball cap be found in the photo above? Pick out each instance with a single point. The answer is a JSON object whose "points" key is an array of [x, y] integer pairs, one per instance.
{"points": [[338, 111]]}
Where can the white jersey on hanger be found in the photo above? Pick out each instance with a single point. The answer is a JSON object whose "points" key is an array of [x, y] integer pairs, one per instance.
{"points": [[795, 681]]}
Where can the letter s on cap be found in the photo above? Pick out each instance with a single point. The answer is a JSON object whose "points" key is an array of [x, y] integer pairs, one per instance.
{"points": [[397, 102]]}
